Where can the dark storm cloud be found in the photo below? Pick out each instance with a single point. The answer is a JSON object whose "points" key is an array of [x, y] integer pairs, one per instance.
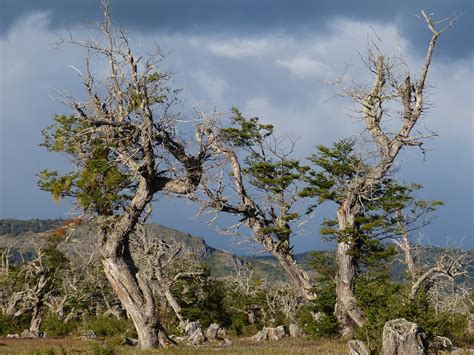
{"points": [[250, 17]]}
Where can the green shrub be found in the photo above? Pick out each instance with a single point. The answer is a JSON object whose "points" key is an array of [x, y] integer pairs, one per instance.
{"points": [[14, 325], [382, 300], [103, 349], [55, 327], [110, 327], [325, 327], [249, 330]]}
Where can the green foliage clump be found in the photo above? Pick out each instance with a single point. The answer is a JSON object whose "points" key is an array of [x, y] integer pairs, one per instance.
{"points": [[55, 327], [99, 185], [110, 327], [339, 172], [13, 325], [326, 325], [205, 302], [383, 299]]}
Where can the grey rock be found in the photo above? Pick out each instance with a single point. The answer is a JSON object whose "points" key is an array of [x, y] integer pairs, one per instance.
{"points": [[268, 333], [32, 335], [191, 328], [261, 335], [130, 342], [89, 334], [295, 330], [197, 337], [212, 331], [441, 343], [277, 333]]}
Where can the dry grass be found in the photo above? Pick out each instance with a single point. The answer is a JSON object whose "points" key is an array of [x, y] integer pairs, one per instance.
{"points": [[240, 346]]}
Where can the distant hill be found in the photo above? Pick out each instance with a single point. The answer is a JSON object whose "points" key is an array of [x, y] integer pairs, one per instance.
{"points": [[17, 227], [23, 234]]}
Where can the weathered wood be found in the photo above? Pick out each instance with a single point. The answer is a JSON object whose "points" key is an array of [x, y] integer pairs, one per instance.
{"points": [[401, 337], [357, 347]]}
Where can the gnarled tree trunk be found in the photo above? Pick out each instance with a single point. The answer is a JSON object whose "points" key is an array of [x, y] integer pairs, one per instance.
{"points": [[137, 299], [135, 295], [346, 310], [282, 253], [298, 275]]}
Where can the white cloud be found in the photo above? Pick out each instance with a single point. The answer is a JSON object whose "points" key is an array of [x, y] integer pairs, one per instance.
{"points": [[238, 48], [304, 67], [213, 87]]}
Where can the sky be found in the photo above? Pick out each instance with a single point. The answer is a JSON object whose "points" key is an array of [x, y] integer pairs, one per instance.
{"points": [[271, 59]]}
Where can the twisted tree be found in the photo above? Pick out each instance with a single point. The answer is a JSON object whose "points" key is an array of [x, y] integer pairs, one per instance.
{"points": [[257, 180], [125, 148], [358, 181]]}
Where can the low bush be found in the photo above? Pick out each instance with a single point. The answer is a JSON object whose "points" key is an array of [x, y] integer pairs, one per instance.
{"points": [[110, 327]]}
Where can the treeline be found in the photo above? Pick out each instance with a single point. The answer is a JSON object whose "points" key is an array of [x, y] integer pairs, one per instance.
{"points": [[15, 226]]}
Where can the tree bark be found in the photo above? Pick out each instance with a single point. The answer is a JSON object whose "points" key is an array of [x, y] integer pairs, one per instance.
{"points": [[401, 337], [137, 299], [173, 303], [38, 307], [37, 318], [282, 253], [297, 274], [346, 310]]}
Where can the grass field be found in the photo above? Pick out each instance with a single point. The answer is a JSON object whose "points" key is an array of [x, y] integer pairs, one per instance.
{"points": [[78, 346]]}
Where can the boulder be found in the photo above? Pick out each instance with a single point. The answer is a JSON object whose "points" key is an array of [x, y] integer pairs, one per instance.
{"points": [[130, 342], [180, 339], [295, 330], [401, 337], [276, 333], [441, 343], [32, 335], [191, 328], [89, 334], [227, 342], [212, 331], [197, 337], [268, 333], [261, 335], [14, 336], [357, 347]]}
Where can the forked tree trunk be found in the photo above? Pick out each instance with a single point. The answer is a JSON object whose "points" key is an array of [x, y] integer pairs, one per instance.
{"points": [[346, 310], [138, 300], [135, 295], [165, 289]]}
